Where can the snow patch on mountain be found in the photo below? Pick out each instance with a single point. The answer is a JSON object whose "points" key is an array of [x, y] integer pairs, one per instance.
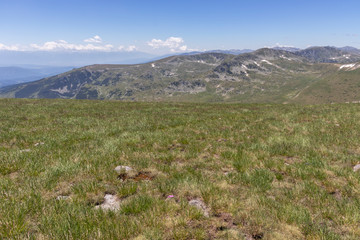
{"points": [[266, 61], [347, 66], [282, 56]]}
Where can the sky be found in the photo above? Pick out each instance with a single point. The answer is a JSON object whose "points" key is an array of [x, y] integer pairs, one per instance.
{"points": [[161, 27]]}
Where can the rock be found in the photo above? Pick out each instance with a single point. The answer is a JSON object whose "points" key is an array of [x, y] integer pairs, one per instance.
{"points": [[111, 203], [62, 197], [200, 205], [122, 169], [25, 150], [356, 167]]}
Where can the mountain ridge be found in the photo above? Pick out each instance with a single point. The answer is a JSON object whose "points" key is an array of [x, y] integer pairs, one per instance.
{"points": [[264, 75]]}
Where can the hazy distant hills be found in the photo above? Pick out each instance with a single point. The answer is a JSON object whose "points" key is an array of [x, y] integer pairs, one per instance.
{"points": [[313, 75], [15, 75], [68, 58], [289, 49], [231, 51]]}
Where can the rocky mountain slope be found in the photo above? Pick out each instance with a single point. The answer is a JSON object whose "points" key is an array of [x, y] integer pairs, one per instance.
{"points": [[265, 75]]}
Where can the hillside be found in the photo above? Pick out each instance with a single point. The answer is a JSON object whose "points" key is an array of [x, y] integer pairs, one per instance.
{"points": [[265, 75], [190, 170]]}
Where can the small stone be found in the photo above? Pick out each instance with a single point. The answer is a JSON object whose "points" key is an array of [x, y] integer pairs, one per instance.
{"points": [[38, 144], [200, 205], [62, 197], [25, 150], [111, 203], [356, 167], [121, 169]]}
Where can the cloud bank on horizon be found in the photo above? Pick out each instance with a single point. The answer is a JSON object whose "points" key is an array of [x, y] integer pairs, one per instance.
{"points": [[95, 43], [90, 44], [174, 44]]}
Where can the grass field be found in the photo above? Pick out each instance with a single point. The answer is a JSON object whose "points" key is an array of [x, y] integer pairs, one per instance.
{"points": [[262, 171]]}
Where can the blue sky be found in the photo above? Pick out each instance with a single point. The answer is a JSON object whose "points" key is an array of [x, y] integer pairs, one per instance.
{"points": [[173, 26]]}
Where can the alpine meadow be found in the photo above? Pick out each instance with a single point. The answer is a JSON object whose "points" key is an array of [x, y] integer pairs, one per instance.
{"points": [[261, 171], [175, 120]]}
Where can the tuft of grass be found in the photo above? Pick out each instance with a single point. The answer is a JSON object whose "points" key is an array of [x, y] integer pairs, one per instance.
{"points": [[137, 205]]}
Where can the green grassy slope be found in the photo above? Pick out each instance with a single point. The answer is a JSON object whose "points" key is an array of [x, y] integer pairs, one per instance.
{"points": [[263, 171], [343, 86]]}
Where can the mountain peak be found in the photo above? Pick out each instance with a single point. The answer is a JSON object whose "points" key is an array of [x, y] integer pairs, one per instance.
{"points": [[327, 54]]}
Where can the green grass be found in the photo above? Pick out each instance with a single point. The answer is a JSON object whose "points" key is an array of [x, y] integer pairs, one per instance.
{"points": [[269, 171]]}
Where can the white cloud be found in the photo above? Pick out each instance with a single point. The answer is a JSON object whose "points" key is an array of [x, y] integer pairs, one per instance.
{"points": [[280, 45], [131, 48], [183, 48], [93, 44], [64, 45], [95, 39], [9, 48], [175, 44]]}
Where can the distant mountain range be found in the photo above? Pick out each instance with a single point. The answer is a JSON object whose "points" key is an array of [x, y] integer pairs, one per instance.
{"points": [[289, 49], [231, 51], [14, 75], [328, 55], [68, 58], [79, 59], [312, 75]]}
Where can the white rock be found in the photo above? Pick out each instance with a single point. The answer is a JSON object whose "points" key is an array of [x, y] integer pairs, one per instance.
{"points": [[62, 197], [25, 150], [120, 169], [200, 205], [356, 167], [111, 203]]}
